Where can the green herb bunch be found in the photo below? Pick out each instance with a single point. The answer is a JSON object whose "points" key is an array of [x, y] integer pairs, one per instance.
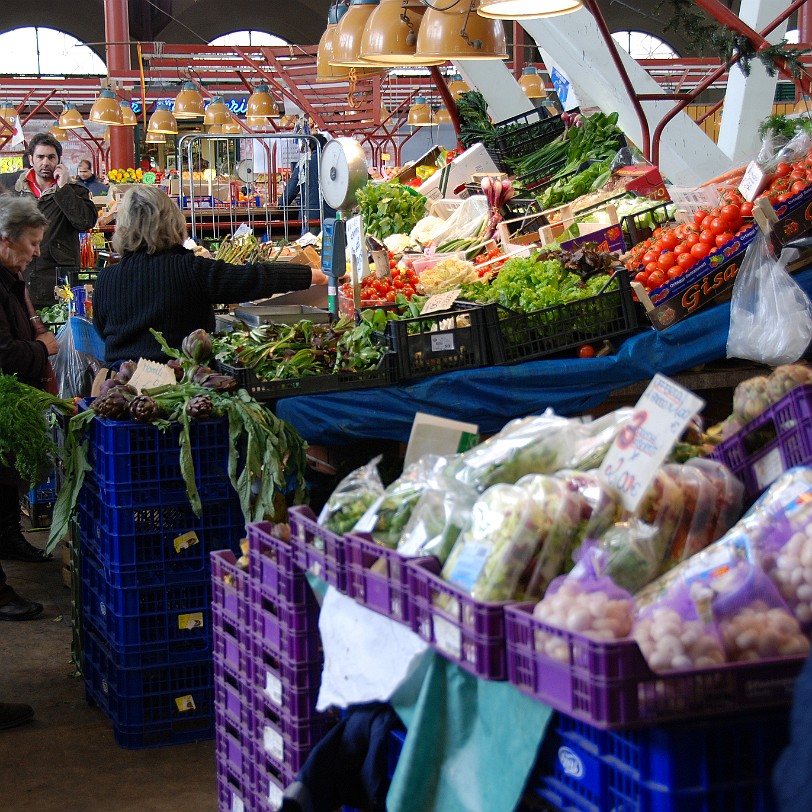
{"points": [[390, 208]]}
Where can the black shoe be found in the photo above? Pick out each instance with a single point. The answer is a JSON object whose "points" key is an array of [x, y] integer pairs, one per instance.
{"points": [[15, 547], [12, 714], [19, 608]]}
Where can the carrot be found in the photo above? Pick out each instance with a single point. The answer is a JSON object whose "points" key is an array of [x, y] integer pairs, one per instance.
{"points": [[730, 176]]}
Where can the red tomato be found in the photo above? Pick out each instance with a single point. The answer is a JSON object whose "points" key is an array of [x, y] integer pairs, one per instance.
{"points": [[730, 212], [682, 247], [691, 239], [746, 209], [686, 261], [798, 186], [700, 250], [651, 267], [717, 226], [782, 170], [708, 237], [674, 272], [783, 197], [666, 260], [656, 279], [701, 214], [650, 256], [668, 241], [723, 239], [587, 351], [642, 278]]}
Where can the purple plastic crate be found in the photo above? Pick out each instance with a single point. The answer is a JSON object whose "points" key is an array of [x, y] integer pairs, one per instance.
{"points": [[166, 535], [234, 792], [610, 685], [165, 703], [233, 743], [775, 441], [271, 564], [377, 577], [233, 693], [175, 618], [291, 629], [231, 643], [467, 631], [230, 588], [270, 781], [317, 549]]}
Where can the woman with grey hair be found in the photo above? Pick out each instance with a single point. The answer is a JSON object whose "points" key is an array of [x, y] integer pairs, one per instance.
{"points": [[160, 284], [25, 345]]}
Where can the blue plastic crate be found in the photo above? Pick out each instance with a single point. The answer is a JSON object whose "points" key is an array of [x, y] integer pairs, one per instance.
{"points": [[135, 464], [723, 764], [165, 535], [44, 493], [156, 617], [162, 704]]}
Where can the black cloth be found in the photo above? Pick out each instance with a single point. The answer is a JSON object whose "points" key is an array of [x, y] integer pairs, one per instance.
{"points": [[349, 766], [93, 185], [69, 211], [173, 292], [9, 521]]}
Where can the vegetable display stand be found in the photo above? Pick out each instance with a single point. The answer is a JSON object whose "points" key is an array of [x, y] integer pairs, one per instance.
{"points": [[471, 633], [773, 442], [316, 549], [377, 577], [686, 767], [641, 225], [525, 133], [518, 337], [610, 685]]}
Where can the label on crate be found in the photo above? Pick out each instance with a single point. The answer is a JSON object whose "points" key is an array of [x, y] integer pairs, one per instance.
{"points": [[571, 763], [237, 804], [469, 564], [768, 468], [193, 620], [659, 418], [444, 342], [274, 795], [185, 703], [149, 374], [273, 688], [447, 637], [186, 541], [440, 301], [274, 743]]}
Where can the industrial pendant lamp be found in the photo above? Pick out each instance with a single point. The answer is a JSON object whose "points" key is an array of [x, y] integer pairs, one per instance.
{"points": [[260, 124], [325, 70], [261, 103], [60, 135], [530, 82], [156, 138], [456, 87], [217, 112], [106, 109], [350, 32], [9, 113], [128, 118], [162, 120], [419, 113], [216, 129], [232, 127], [189, 102], [442, 116], [458, 32], [390, 34], [527, 9], [70, 118]]}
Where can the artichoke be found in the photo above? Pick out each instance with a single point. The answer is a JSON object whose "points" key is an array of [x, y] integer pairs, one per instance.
{"points": [[200, 374], [126, 371], [200, 407], [176, 367], [143, 409], [115, 405], [220, 383], [197, 345]]}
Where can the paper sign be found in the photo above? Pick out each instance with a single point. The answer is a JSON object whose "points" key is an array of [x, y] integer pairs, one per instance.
{"points": [[150, 374], [185, 703], [753, 182], [275, 795], [356, 248], [440, 301], [385, 156], [191, 621], [438, 435], [561, 85], [660, 417], [186, 541], [237, 804], [274, 743]]}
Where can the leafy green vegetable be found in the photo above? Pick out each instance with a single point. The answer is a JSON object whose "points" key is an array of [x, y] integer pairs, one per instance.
{"points": [[390, 208], [594, 177], [475, 123]]}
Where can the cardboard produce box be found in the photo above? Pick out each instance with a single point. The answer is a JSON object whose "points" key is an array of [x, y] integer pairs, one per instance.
{"points": [[455, 175]]}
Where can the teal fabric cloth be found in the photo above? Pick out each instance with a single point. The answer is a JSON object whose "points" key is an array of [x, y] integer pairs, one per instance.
{"points": [[470, 746]]}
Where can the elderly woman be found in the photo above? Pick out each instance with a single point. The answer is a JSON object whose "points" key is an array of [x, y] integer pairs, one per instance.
{"points": [[160, 284], [25, 345]]}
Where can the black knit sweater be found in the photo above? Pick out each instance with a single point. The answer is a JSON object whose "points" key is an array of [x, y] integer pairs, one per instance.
{"points": [[173, 292]]}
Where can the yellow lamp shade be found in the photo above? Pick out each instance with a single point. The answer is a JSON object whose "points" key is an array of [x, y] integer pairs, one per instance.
{"points": [[457, 87], [8, 113], [217, 112], [390, 34], [327, 72], [60, 135], [261, 103], [350, 32], [162, 121], [232, 127], [442, 116], [155, 138], [259, 123], [106, 110], [128, 117], [530, 82], [189, 102], [527, 9], [70, 118], [419, 113], [215, 129], [459, 33]]}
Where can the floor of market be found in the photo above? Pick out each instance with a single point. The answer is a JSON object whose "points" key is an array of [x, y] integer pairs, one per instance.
{"points": [[66, 760]]}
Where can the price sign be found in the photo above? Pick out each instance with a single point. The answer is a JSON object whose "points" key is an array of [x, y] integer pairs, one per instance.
{"points": [[356, 249], [440, 301], [660, 417], [151, 374], [754, 181]]}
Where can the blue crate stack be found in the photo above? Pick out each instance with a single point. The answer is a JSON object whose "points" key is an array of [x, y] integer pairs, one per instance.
{"points": [[146, 614], [38, 503]]}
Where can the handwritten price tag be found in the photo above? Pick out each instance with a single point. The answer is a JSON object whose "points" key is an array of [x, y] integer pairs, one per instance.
{"points": [[440, 301], [660, 417], [151, 374]]}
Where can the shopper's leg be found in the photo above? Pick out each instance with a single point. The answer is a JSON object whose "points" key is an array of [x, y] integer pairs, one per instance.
{"points": [[13, 544], [13, 606]]}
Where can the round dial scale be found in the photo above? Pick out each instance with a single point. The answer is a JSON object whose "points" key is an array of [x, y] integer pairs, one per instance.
{"points": [[342, 172]]}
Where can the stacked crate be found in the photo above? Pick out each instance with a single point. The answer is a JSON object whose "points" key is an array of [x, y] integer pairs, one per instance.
{"points": [[145, 577], [268, 661], [38, 503]]}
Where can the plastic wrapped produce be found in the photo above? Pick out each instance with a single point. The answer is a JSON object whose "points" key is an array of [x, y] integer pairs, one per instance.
{"points": [[495, 549], [695, 528], [351, 498], [785, 378], [604, 504], [750, 398], [728, 500]]}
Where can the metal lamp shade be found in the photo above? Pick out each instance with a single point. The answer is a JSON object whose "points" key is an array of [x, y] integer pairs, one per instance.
{"points": [[156, 138], [456, 87], [162, 121], [70, 118], [261, 103], [232, 127], [128, 117], [388, 38], [441, 34], [419, 113], [442, 116], [106, 110], [350, 32], [217, 112], [527, 9], [189, 102], [530, 82], [60, 135]]}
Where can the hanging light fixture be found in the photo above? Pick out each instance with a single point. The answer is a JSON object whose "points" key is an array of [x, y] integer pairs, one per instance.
{"points": [[60, 135], [231, 127], [261, 103], [217, 112], [260, 124], [128, 118], [162, 120], [106, 109], [530, 82], [216, 129], [457, 86], [70, 118], [419, 113], [325, 70], [349, 33], [390, 34], [458, 32], [189, 102], [9, 113], [442, 116], [156, 138], [527, 9]]}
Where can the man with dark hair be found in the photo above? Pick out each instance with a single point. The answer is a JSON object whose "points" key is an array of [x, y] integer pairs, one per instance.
{"points": [[66, 205]]}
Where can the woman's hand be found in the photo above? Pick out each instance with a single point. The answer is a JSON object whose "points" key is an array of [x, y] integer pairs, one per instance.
{"points": [[49, 340], [318, 277]]}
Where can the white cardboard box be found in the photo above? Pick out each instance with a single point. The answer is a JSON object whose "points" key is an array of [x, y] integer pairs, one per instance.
{"points": [[443, 182]]}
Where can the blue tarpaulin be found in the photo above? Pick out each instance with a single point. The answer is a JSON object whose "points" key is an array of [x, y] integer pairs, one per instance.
{"points": [[492, 396]]}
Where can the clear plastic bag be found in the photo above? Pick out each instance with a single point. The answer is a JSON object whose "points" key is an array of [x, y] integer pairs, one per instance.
{"points": [[74, 370], [465, 222], [770, 315], [351, 498]]}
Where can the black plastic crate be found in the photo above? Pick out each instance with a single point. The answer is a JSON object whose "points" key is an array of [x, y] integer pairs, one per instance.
{"points": [[525, 133], [632, 223], [518, 337], [526, 212], [538, 177], [445, 341], [382, 375]]}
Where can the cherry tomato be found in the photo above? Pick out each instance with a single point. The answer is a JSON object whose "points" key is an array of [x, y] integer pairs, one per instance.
{"points": [[746, 209], [686, 261], [587, 351], [782, 170], [666, 260], [798, 186], [723, 239]]}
